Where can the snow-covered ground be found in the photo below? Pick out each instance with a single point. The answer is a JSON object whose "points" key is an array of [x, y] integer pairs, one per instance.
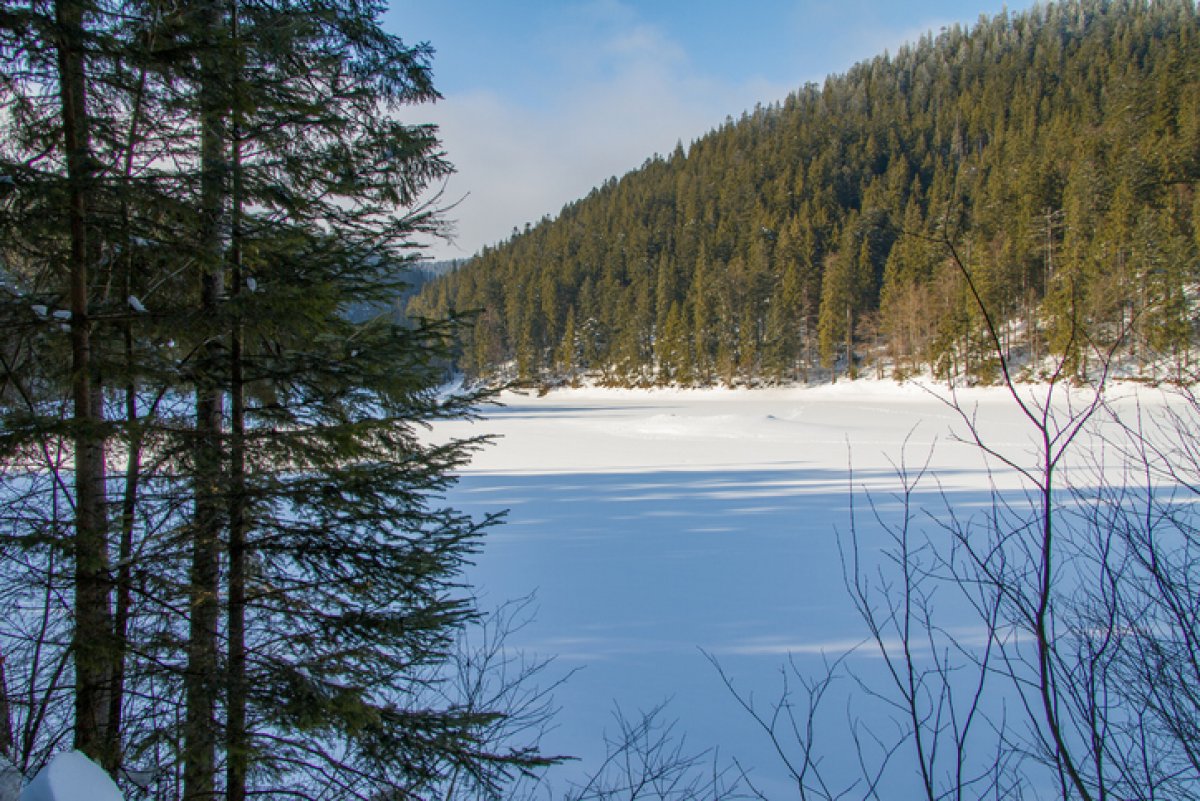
{"points": [[655, 526], [71, 776]]}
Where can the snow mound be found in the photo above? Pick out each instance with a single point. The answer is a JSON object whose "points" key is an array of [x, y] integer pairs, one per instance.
{"points": [[71, 776], [10, 780]]}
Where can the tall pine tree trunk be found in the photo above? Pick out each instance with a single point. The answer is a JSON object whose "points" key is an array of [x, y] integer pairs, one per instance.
{"points": [[91, 644], [851, 370], [123, 590], [7, 743], [203, 673], [236, 739], [124, 578]]}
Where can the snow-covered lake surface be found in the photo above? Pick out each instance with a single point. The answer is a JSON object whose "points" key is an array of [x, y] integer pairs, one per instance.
{"points": [[657, 526]]}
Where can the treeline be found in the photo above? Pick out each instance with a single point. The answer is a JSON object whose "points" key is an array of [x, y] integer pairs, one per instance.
{"points": [[1056, 152], [407, 279]]}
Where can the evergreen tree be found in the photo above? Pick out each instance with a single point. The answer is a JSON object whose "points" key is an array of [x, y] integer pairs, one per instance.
{"points": [[228, 181]]}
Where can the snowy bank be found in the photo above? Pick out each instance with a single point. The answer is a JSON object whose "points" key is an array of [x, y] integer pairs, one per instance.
{"points": [[70, 776]]}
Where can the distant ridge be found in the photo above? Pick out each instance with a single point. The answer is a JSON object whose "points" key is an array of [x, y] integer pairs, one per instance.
{"points": [[1057, 150]]}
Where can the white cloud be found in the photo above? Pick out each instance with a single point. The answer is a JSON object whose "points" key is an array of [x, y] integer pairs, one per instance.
{"points": [[975, 637], [633, 93], [599, 89]]}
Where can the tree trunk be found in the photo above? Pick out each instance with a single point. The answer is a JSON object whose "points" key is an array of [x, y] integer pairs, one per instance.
{"points": [[237, 742], [851, 370], [123, 591], [124, 582], [236, 739], [91, 643], [7, 743], [203, 674]]}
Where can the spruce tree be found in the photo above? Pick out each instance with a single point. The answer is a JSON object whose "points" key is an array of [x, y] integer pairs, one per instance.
{"points": [[288, 583], [65, 66]]}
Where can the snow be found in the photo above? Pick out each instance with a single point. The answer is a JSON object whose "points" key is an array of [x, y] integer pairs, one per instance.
{"points": [[71, 776], [655, 527], [867, 423], [10, 780]]}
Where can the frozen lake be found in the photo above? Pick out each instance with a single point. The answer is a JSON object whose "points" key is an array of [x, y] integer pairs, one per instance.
{"points": [[656, 526]]}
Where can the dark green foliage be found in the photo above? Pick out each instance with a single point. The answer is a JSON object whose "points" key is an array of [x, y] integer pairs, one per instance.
{"points": [[275, 582], [1052, 147]]}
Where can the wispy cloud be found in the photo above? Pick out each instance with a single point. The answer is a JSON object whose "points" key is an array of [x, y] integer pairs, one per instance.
{"points": [[604, 88], [633, 91], [958, 637]]}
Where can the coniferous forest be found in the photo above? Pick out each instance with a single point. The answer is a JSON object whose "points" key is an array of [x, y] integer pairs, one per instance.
{"points": [[1053, 154], [229, 567]]}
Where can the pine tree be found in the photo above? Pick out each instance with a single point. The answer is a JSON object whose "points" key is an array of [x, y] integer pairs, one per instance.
{"points": [[567, 355], [91, 648], [266, 428], [60, 165]]}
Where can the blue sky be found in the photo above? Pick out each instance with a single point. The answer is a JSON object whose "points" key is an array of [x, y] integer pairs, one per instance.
{"points": [[545, 99]]}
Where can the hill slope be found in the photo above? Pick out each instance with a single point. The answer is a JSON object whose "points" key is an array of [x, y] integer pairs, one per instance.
{"points": [[1057, 151]]}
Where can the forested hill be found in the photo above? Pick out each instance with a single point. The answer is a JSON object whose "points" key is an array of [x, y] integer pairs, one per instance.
{"points": [[1056, 152]]}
